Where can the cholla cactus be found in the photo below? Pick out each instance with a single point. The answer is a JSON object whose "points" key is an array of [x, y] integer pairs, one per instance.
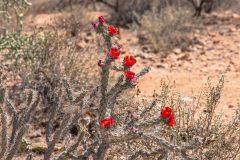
{"points": [[104, 120], [10, 141]]}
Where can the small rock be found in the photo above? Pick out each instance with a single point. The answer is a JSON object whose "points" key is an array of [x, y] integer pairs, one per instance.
{"points": [[232, 29], [202, 53], [234, 15], [212, 34], [35, 134], [186, 99], [177, 51], [185, 57], [216, 41], [160, 66], [87, 39], [82, 44], [238, 45], [41, 147]]}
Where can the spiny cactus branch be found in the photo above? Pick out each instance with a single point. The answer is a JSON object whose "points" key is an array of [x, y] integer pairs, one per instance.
{"points": [[4, 137]]}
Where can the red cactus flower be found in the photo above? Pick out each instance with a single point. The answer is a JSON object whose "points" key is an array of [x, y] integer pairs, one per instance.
{"points": [[112, 30], [114, 53], [129, 61], [129, 74], [166, 112], [171, 121], [101, 20], [107, 122]]}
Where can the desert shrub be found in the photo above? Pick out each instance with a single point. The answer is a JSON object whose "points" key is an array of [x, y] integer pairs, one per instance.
{"points": [[165, 28], [13, 11], [46, 53], [214, 5], [222, 5], [127, 11], [72, 26]]}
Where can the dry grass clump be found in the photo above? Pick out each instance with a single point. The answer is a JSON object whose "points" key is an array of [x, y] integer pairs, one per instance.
{"points": [[127, 12], [75, 22], [166, 28], [222, 5]]}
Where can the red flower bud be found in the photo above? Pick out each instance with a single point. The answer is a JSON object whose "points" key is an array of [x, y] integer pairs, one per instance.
{"points": [[107, 122], [134, 81], [171, 121], [94, 24], [166, 112], [129, 61], [100, 64], [101, 20], [114, 53], [129, 74], [112, 30]]}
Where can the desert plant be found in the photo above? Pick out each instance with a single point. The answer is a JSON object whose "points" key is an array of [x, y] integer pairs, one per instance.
{"points": [[209, 5], [46, 56], [166, 28], [198, 5], [14, 9], [222, 5], [11, 139]]}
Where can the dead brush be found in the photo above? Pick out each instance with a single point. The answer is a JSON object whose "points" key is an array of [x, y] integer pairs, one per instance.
{"points": [[166, 28], [199, 4], [222, 5], [72, 25], [217, 5]]}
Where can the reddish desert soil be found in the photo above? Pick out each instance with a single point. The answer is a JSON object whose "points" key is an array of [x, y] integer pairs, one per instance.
{"points": [[216, 53]]}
